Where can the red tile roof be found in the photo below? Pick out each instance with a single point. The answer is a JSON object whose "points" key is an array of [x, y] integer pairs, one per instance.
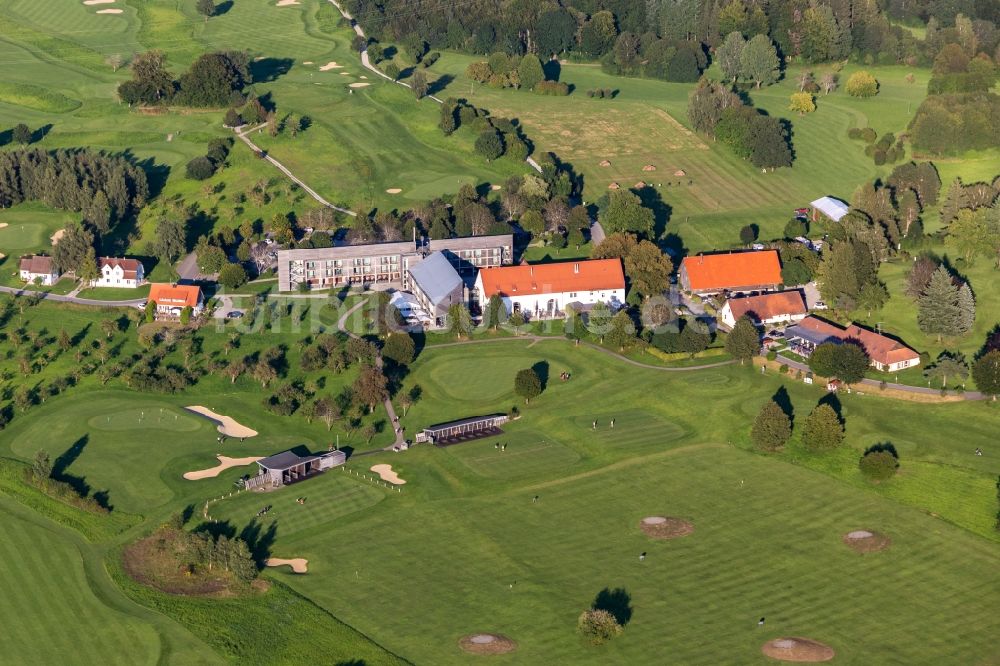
{"points": [[769, 306], [737, 269], [37, 264], [130, 267], [880, 348], [175, 295], [569, 276]]}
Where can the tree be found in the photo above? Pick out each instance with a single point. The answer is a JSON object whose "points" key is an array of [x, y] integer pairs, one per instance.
{"points": [[530, 71], [748, 234], [489, 144], [728, 55], [872, 296], [41, 465], [948, 364], [459, 320], [232, 118], [986, 373], [418, 84], [772, 427], [517, 320], [115, 61], [879, 463], [694, 338], [822, 430], [232, 276], [199, 168], [496, 312], [392, 71], [938, 311], [759, 61], [625, 213], [87, 271], [743, 342], [598, 626], [862, 84], [828, 82], [532, 222], [850, 362], [170, 241], [371, 387], [622, 333], [970, 233], [795, 228], [206, 8], [240, 560], [399, 348], [802, 103], [527, 384], [21, 134]]}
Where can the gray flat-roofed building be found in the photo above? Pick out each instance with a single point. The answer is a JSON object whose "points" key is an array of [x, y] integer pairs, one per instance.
{"points": [[436, 284], [288, 467], [387, 263]]}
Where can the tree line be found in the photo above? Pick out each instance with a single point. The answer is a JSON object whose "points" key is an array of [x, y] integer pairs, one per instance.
{"points": [[671, 38]]}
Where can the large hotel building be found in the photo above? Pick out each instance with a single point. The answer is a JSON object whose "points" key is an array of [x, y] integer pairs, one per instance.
{"points": [[380, 263]]}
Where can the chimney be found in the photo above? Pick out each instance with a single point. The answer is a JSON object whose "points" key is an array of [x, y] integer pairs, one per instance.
{"points": [[576, 268]]}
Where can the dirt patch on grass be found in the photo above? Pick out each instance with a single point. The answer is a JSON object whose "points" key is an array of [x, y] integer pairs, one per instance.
{"points": [[798, 649], [665, 527], [866, 541], [298, 564], [224, 464], [227, 425], [386, 474], [487, 644]]}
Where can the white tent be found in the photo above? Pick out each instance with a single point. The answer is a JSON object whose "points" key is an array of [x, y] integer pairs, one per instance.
{"points": [[832, 208]]}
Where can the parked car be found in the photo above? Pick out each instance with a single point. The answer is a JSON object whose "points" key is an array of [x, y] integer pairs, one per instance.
{"points": [[141, 305], [820, 305], [234, 314]]}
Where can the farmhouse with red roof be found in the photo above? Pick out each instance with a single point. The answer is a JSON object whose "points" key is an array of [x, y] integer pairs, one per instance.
{"points": [[544, 290], [767, 309], [735, 271]]}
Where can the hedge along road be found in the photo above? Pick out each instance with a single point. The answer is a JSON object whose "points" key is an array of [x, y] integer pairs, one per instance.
{"points": [[366, 61]]}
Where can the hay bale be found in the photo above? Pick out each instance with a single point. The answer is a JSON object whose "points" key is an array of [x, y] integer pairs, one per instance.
{"points": [[649, 167], [680, 172], [638, 186], [605, 163]]}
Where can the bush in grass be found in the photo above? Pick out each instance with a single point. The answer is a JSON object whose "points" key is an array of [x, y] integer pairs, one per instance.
{"points": [[868, 134], [862, 84], [232, 276], [150, 313], [598, 626], [199, 168], [822, 430], [186, 314], [783, 370], [772, 427], [554, 88], [879, 462], [430, 58], [527, 384]]}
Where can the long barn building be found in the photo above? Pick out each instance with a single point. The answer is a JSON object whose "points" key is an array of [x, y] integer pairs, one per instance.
{"points": [[388, 263]]}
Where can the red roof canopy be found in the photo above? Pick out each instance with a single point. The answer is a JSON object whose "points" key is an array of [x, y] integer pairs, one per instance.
{"points": [[737, 269], [555, 278]]}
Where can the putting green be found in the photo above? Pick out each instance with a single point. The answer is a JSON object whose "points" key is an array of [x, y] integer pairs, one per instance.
{"points": [[152, 418], [29, 228], [465, 379]]}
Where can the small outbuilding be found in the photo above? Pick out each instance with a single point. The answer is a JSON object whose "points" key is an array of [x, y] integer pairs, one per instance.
{"points": [[288, 467], [464, 430], [830, 207]]}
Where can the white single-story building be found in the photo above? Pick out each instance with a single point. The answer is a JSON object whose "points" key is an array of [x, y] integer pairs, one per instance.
{"points": [[779, 307], [38, 269], [544, 290], [830, 207], [124, 273]]}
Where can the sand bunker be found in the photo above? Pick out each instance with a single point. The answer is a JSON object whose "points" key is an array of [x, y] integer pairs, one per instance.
{"points": [[358, 85], [604, 163], [2, 225], [363, 76], [614, 186], [57, 236], [98, 2], [680, 172], [307, 62], [386, 473], [330, 65], [864, 541], [797, 649], [664, 527], [649, 167], [391, 190], [110, 11], [298, 564], [224, 464], [286, 3], [227, 425], [487, 644], [495, 187]]}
